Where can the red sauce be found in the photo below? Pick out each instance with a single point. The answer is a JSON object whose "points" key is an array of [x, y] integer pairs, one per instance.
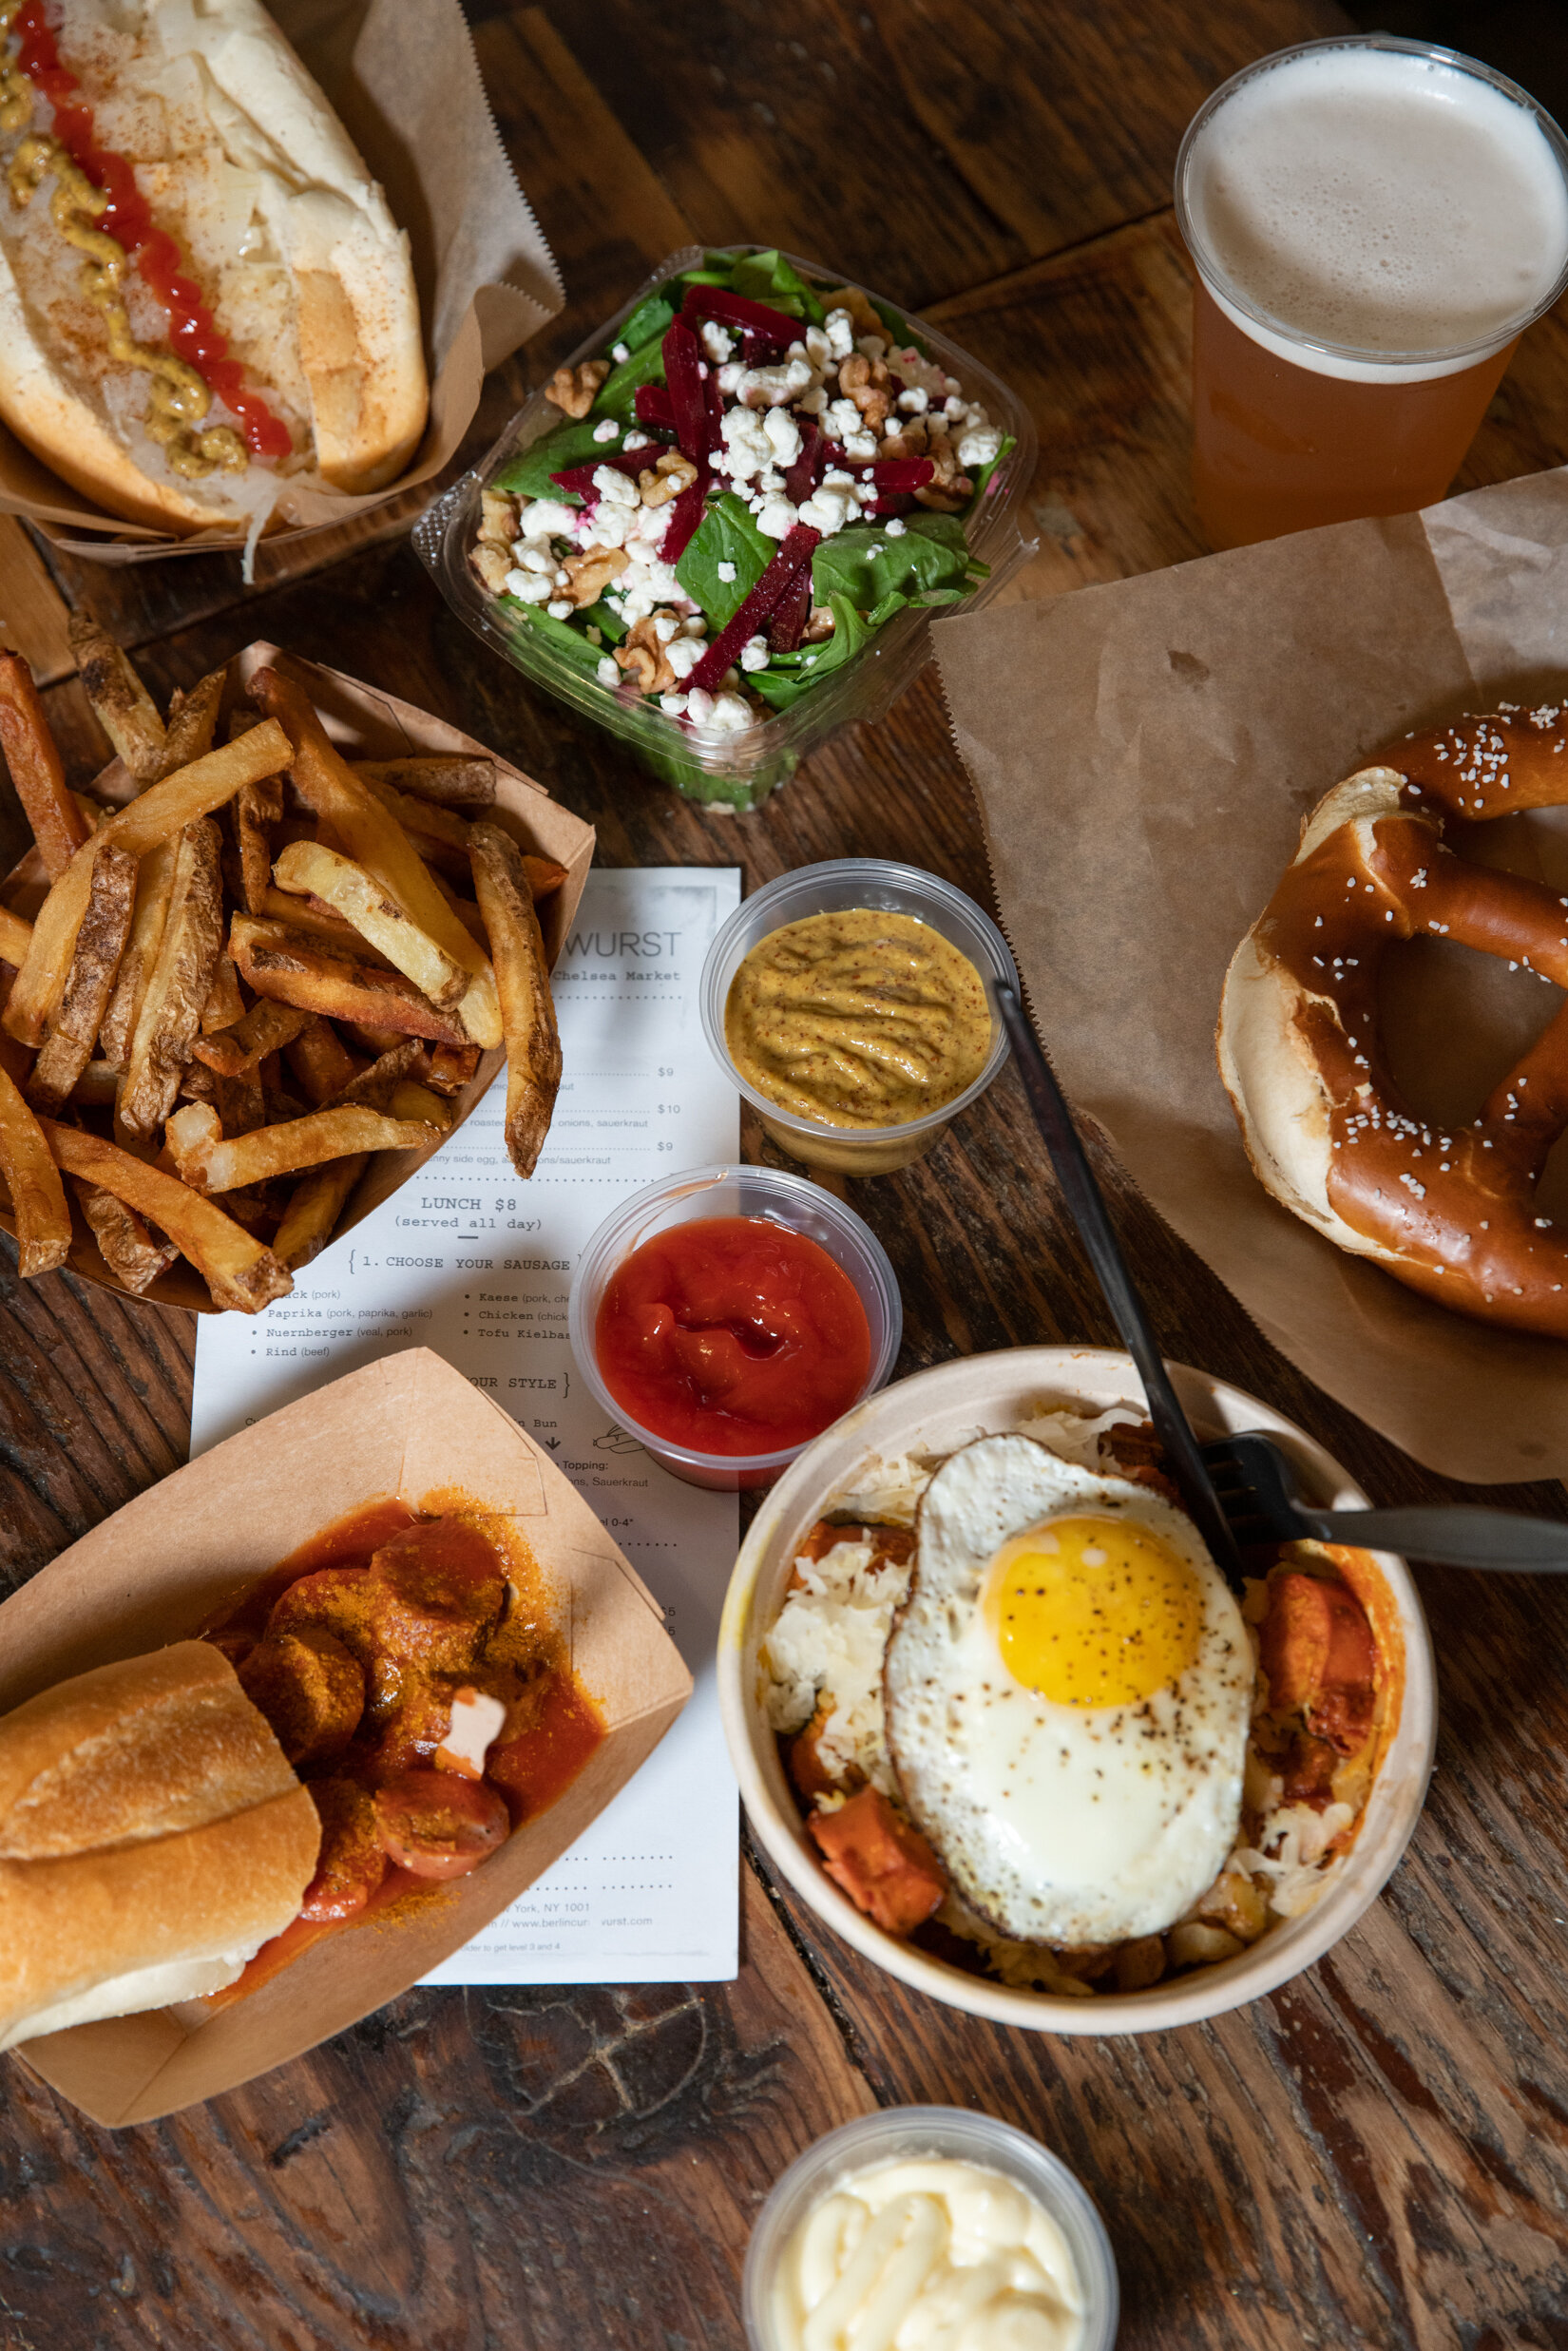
{"points": [[193, 330], [430, 1648], [732, 1335]]}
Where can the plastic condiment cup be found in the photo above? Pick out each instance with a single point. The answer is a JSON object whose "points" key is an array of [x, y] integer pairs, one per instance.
{"points": [[792, 1201], [841, 885], [903, 2135]]}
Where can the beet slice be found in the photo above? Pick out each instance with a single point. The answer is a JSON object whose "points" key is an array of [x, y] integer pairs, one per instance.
{"points": [[806, 472], [774, 328], [580, 478], [688, 378], [890, 475], [790, 613], [793, 556], [685, 514], [654, 407]]}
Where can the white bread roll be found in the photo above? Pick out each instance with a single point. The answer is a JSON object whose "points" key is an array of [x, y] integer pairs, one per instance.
{"points": [[152, 1839], [279, 223]]}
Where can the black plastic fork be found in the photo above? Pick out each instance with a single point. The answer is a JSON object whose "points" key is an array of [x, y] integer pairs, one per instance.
{"points": [[1255, 1482], [1183, 1457]]}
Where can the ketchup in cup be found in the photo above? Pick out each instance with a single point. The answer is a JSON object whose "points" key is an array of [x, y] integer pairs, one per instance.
{"points": [[732, 1335]]}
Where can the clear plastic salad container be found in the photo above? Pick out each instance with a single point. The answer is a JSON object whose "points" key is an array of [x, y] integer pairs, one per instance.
{"points": [[739, 770]]}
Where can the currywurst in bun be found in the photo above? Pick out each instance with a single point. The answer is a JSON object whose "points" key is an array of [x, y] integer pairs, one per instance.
{"points": [[203, 296], [152, 1839]]}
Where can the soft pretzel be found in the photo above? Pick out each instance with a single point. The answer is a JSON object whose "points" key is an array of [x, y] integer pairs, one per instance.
{"points": [[1450, 1211]]}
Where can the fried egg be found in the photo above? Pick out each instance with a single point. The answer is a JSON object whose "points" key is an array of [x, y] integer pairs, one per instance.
{"points": [[1067, 1692]]}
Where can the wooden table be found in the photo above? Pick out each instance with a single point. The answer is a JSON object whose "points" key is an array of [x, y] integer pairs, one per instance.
{"points": [[1377, 2154]]}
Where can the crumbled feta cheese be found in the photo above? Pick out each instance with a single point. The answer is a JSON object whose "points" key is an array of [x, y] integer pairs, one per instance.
{"points": [[562, 610], [843, 419], [620, 354], [607, 672], [776, 518], [914, 400], [616, 489], [726, 572], [674, 703], [528, 587], [534, 557], [547, 517], [783, 435], [563, 578], [840, 327], [896, 528], [747, 448], [683, 654], [952, 407], [919, 373], [830, 507], [716, 342], [951, 385], [730, 376], [980, 446], [812, 403], [699, 707], [732, 714], [871, 346], [818, 350], [754, 653], [608, 430], [860, 445], [767, 388], [894, 425], [666, 626], [637, 440]]}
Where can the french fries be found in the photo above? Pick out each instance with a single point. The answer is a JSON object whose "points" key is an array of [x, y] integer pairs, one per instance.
{"points": [[239, 1269], [37, 1196], [126, 1243], [179, 985], [375, 839], [307, 870], [290, 967], [215, 1021], [123, 707], [73, 1025], [15, 939], [58, 825], [523, 977], [462, 783], [210, 1162], [161, 810]]}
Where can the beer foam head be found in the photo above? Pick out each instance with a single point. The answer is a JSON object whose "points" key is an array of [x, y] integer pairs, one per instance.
{"points": [[1378, 200]]}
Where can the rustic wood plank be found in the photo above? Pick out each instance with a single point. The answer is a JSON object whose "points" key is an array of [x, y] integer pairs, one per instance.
{"points": [[33, 611]]}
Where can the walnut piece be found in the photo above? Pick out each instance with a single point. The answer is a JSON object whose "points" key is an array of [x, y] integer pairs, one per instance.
{"points": [[950, 489], [589, 574], [574, 390], [862, 316], [659, 482], [644, 656], [493, 564], [868, 384]]}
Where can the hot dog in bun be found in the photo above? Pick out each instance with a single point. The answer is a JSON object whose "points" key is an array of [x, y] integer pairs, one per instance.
{"points": [[203, 295], [152, 1839]]}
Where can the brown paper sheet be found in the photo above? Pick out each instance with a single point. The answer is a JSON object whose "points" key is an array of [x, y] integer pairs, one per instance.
{"points": [[404, 80], [367, 724], [179, 1553], [1144, 754]]}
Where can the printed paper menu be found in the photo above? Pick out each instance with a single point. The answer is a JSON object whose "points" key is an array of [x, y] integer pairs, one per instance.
{"points": [[468, 1260]]}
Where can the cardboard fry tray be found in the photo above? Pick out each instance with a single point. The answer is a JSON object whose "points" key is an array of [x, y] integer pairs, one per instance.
{"points": [[173, 1558], [367, 724]]}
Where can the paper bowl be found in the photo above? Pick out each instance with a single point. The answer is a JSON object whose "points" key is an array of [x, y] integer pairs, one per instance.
{"points": [[937, 1410], [181, 1554], [365, 724]]}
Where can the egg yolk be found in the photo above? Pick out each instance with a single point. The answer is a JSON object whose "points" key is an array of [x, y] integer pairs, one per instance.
{"points": [[1093, 1611]]}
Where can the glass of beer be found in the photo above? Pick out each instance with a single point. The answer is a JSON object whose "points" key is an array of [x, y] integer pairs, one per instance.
{"points": [[1374, 224]]}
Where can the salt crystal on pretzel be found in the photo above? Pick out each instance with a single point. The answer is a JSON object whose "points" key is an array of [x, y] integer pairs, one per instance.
{"points": [[1450, 1211]]}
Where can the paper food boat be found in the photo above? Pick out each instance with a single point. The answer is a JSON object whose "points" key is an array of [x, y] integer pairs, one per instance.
{"points": [[365, 724], [173, 1558]]}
